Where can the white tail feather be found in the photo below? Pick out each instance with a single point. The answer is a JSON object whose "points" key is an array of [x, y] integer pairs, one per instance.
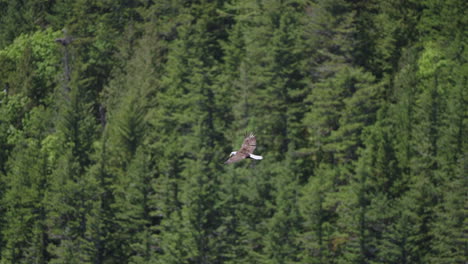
{"points": [[256, 157]]}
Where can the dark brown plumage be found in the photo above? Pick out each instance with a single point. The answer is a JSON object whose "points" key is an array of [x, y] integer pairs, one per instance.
{"points": [[246, 150]]}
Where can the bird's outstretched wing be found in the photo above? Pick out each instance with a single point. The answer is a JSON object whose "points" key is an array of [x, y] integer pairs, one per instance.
{"points": [[248, 147], [237, 157]]}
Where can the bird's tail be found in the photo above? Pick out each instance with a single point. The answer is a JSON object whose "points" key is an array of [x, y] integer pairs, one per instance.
{"points": [[256, 157]]}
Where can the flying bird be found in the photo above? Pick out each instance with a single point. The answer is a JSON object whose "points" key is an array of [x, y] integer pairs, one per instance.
{"points": [[246, 151]]}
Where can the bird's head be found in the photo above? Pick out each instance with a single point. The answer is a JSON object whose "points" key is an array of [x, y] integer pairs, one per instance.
{"points": [[233, 153]]}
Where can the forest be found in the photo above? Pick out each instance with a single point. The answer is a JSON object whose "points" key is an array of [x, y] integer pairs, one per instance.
{"points": [[116, 118]]}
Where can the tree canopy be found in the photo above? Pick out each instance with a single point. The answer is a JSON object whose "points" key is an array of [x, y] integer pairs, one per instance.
{"points": [[116, 118]]}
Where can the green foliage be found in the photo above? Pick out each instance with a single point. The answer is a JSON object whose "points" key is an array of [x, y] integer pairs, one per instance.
{"points": [[30, 66], [112, 145], [18, 17], [317, 209], [24, 198]]}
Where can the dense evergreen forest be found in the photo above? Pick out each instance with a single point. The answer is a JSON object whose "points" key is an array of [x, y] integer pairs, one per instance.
{"points": [[116, 118]]}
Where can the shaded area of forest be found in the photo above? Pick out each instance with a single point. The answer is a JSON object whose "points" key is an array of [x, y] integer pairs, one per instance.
{"points": [[116, 117]]}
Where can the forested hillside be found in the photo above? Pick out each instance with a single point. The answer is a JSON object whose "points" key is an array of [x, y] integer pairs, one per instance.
{"points": [[116, 118]]}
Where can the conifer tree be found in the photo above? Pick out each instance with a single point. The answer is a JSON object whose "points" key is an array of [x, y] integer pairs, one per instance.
{"points": [[233, 205], [283, 227], [115, 155], [269, 95], [186, 119], [27, 81], [377, 183], [342, 92], [129, 163], [317, 239], [271, 72], [449, 245], [71, 192], [25, 230], [21, 17]]}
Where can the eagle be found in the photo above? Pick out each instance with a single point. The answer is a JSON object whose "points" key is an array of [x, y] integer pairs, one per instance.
{"points": [[246, 151]]}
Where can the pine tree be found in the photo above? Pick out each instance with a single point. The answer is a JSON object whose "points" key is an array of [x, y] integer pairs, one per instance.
{"points": [[256, 196], [317, 239], [71, 192], [100, 217], [25, 229], [282, 229], [329, 79], [398, 242], [385, 28], [335, 119], [232, 206], [132, 217], [424, 106], [186, 119], [449, 245], [441, 72], [405, 91], [264, 62], [377, 183], [115, 155], [21, 17], [28, 81], [271, 72], [133, 192]]}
